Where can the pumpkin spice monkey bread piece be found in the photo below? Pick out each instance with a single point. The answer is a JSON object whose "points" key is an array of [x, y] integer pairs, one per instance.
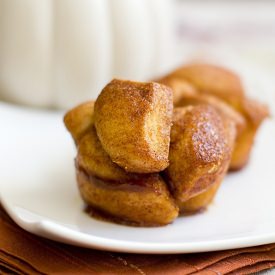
{"points": [[80, 119], [200, 151], [133, 123], [185, 94], [90, 155], [224, 109], [141, 201]]}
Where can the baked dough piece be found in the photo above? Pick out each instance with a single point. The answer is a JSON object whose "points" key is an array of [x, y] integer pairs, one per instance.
{"points": [[79, 119], [200, 152], [92, 158], [224, 109], [144, 201], [254, 114], [180, 88], [201, 201], [133, 123], [214, 80]]}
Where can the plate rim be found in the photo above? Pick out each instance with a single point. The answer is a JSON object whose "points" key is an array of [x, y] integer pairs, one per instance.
{"points": [[60, 233]]}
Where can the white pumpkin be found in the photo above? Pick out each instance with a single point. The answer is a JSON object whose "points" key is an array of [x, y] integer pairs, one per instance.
{"points": [[57, 53]]}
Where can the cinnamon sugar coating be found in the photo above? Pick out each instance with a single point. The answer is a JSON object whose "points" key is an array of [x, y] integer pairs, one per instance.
{"points": [[133, 123], [226, 87], [200, 151]]}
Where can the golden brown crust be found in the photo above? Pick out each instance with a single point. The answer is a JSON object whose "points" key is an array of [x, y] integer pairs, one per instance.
{"points": [[242, 149], [221, 106], [180, 88], [200, 150], [254, 113], [213, 80], [201, 201], [92, 158], [133, 122], [226, 86], [79, 119], [90, 154], [146, 201]]}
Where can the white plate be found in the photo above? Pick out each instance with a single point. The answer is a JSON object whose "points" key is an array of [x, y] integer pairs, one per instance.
{"points": [[38, 190]]}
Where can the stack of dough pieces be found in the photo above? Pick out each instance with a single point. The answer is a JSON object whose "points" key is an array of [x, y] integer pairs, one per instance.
{"points": [[148, 152], [203, 83]]}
